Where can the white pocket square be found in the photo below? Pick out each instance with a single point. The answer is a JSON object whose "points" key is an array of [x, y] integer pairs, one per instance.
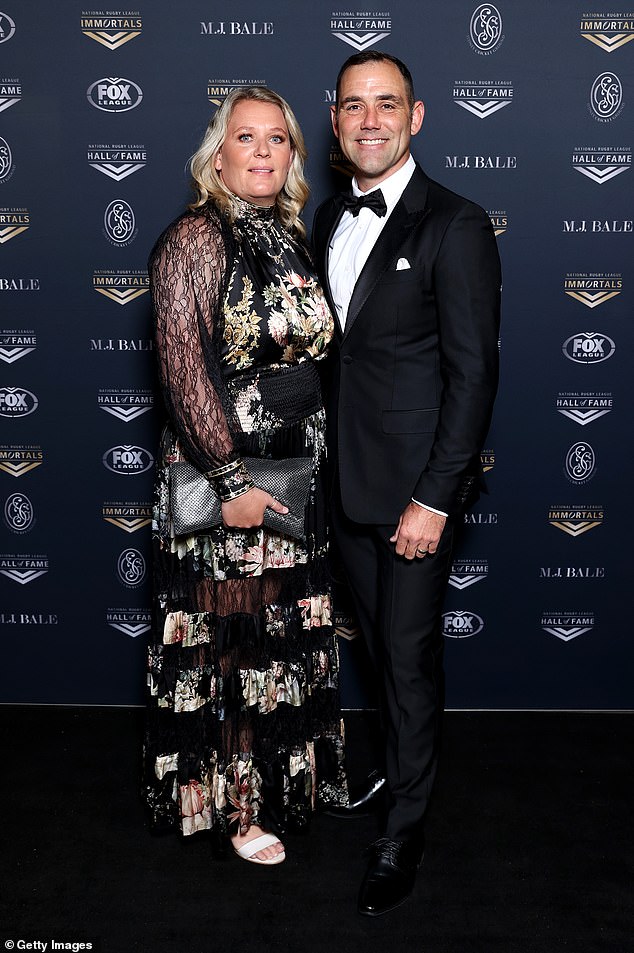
{"points": [[402, 264]]}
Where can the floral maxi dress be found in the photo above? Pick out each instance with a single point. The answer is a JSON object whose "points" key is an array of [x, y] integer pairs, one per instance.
{"points": [[243, 717]]}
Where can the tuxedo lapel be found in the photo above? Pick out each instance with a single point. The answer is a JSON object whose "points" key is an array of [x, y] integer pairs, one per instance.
{"points": [[325, 226]]}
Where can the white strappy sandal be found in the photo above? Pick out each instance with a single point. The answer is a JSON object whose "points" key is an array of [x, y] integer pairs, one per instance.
{"points": [[248, 850]]}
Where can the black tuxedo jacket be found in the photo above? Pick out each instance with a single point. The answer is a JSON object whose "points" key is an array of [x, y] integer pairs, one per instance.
{"points": [[413, 377]]}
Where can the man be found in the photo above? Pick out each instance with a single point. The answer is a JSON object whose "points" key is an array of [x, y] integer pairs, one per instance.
{"points": [[413, 277]]}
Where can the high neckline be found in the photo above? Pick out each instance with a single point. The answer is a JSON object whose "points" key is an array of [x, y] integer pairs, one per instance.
{"points": [[246, 210]]}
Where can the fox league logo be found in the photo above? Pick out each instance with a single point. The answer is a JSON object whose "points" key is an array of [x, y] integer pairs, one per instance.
{"points": [[461, 624], [113, 94]]}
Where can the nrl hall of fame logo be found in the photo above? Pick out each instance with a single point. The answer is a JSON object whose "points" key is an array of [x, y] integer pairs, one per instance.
{"points": [[111, 30], [123, 286], [131, 568], [461, 624], [118, 161], [18, 512], [7, 165], [219, 89], [10, 93], [114, 94], [17, 402], [499, 220], [466, 572], [119, 223], [13, 222], [128, 517], [125, 405], [584, 407], [128, 460], [580, 463], [593, 289], [15, 345], [576, 520], [482, 98], [606, 97], [608, 31], [485, 29], [18, 460], [7, 27], [567, 625], [132, 622], [23, 569], [588, 347], [600, 165], [360, 30]]}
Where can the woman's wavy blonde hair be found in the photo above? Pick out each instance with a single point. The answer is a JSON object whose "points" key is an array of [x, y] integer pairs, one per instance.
{"points": [[207, 182]]}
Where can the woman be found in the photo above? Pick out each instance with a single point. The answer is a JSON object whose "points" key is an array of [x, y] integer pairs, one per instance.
{"points": [[244, 731]]}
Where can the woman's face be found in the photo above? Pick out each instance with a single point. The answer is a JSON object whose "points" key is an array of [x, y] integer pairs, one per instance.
{"points": [[256, 155]]}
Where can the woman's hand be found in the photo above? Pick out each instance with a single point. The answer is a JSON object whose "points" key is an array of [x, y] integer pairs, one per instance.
{"points": [[248, 510]]}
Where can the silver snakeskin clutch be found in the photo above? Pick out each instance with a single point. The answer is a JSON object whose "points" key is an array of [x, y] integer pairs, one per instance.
{"points": [[195, 505]]}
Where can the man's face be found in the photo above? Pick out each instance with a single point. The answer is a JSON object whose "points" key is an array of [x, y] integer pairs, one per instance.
{"points": [[373, 121]]}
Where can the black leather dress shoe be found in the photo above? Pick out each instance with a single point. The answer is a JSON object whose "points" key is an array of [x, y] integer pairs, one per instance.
{"points": [[366, 803], [390, 876]]}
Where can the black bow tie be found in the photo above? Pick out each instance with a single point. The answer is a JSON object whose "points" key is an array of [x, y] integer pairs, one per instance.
{"points": [[373, 200]]}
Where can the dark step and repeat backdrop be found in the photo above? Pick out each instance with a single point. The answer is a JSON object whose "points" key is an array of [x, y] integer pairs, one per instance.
{"points": [[530, 112]]}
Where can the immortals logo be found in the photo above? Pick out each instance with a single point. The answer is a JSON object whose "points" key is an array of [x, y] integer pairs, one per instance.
{"points": [[485, 30], [219, 89], [487, 460], [17, 402], [7, 27], [118, 161], [13, 221], [593, 289], [16, 344], [132, 622], [19, 514], [499, 220], [466, 572], [18, 460], [7, 166], [461, 624], [23, 569], [606, 97], [576, 520], [608, 32], [114, 94], [580, 463], [129, 517], [583, 407], [125, 405], [112, 30], [121, 286], [119, 223], [482, 98], [131, 568], [10, 93], [128, 460], [567, 625], [339, 163], [360, 30], [588, 347], [237, 28], [480, 162], [602, 164]]}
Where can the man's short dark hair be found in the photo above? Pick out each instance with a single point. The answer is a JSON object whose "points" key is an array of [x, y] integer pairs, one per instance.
{"points": [[376, 56]]}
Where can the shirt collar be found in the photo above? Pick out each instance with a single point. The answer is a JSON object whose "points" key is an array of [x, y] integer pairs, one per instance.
{"points": [[392, 187]]}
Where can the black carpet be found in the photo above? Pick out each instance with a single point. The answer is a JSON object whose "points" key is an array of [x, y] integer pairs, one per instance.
{"points": [[528, 847]]}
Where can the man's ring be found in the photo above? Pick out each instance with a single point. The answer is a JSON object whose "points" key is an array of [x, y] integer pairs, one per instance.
{"points": [[421, 552]]}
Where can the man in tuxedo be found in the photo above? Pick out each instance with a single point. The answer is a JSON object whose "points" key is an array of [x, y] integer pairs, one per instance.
{"points": [[412, 274]]}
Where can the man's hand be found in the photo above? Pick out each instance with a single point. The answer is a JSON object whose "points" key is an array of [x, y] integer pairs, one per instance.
{"points": [[418, 532], [248, 510]]}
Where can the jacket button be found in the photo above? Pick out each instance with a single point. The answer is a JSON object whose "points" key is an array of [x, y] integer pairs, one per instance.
{"points": [[347, 359]]}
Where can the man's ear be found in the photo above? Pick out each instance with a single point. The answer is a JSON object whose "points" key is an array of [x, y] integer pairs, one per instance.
{"points": [[333, 119], [418, 114]]}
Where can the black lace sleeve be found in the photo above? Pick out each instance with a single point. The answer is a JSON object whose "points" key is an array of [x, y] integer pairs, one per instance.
{"points": [[188, 272]]}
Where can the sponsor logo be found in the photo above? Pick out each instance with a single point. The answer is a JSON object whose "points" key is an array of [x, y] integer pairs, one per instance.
{"points": [[601, 165], [23, 569], [339, 163], [481, 162], [131, 568], [121, 344], [466, 572], [17, 402], [584, 408], [7, 167], [576, 520], [127, 460], [572, 572], [360, 30], [606, 97], [7, 27], [330, 97], [567, 625], [219, 89], [28, 618], [132, 622], [19, 514], [236, 28], [119, 223], [580, 463], [112, 30], [608, 32], [483, 98], [114, 94], [16, 344], [13, 221], [588, 347], [485, 29], [18, 460], [127, 516], [19, 284], [117, 162], [10, 93], [615, 227], [480, 519], [487, 460], [125, 405], [461, 624], [121, 286], [500, 221], [592, 289]]}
